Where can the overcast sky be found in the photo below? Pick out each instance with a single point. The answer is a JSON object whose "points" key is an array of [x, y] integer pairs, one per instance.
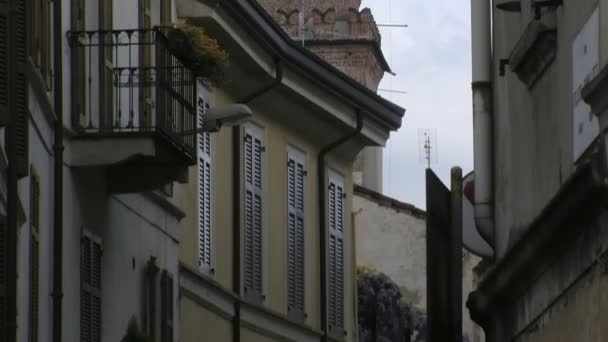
{"points": [[432, 61]]}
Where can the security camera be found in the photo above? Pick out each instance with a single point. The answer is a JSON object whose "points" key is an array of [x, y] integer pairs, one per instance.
{"points": [[225, 115]]}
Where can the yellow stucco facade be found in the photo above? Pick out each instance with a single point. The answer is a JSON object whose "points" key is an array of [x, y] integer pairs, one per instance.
{"points": [[278, 138], [297, 113]]}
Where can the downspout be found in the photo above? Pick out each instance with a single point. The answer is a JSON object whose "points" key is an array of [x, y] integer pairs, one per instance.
{"points": [[322, 217], [12, 179], [58, 175], [481, 41], [236, 197]]}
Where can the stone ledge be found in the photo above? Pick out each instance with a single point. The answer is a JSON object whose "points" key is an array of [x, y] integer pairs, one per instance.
{"points": [[595, 93], [580, 201], [535, 51]]}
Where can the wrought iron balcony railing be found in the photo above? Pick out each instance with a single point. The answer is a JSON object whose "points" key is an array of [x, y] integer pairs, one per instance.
{"points": [[129, 81]]}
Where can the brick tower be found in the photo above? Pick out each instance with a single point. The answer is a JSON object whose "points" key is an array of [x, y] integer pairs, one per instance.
{"points": [[347, 38]]}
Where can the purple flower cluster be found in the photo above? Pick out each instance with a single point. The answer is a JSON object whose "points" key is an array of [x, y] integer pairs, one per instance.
{"points": [[383, 316]]}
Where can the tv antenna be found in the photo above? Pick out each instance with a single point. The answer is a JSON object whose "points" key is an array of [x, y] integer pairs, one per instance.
{"points": [[427, 142]]}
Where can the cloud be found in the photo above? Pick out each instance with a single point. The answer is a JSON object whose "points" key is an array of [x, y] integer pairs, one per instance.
{"points": [[432, 61]]}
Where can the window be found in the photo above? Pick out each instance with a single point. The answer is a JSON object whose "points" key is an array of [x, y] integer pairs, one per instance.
{"points": [[166, 311], [252, 254], [90, 295], [106, 73], [336, 251], [296, 173], [78, 62], [165, 13], [204, 192], [34, 255], [145, 61], [40, 37], [150, 314]]}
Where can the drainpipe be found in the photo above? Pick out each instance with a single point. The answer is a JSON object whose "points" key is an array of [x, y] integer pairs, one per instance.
{"points": [[322, 217], [58, 176], [12, 179], [236, 196], [481, 30], [277, 80]]}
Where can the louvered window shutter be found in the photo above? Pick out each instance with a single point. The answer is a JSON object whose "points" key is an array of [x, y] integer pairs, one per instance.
{"points": [[4, 59], [295, 233], [90, 301], [336, 252], [253, 152], [166, 288], [204, 195], [34, 256], [17, 92]]}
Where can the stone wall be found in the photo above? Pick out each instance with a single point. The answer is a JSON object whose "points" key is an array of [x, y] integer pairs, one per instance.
{"points": [[391, 238]]}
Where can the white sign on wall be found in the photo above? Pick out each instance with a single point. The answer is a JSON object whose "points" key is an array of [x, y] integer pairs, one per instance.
{"points": [[585, 65]]}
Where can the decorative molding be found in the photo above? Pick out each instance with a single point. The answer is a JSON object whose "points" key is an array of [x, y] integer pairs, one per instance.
{"points": [[213, 296], [536, 50], [275, 325], [559, 227], [206, 292], [166, 204]]}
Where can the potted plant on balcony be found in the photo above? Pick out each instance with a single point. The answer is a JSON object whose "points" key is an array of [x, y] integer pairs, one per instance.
{"points": [[199, 51]]}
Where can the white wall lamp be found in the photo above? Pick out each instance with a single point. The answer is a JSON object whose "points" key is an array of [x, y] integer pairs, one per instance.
{"points": [[222, 115]]}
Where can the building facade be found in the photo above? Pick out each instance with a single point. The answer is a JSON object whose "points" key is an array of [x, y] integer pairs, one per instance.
{"points": [[267, 248], [115, 207], [348, 38], [539, 106], [97, 240]]}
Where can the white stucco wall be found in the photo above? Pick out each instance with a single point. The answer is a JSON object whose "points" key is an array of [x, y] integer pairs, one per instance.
{"points": [[132, 229], [393, 241]]}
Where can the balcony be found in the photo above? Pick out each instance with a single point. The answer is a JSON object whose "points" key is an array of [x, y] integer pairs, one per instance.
{"points": [[133, 102]]}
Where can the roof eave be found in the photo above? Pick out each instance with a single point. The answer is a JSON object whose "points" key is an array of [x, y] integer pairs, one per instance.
{"points": [[380, 109]]}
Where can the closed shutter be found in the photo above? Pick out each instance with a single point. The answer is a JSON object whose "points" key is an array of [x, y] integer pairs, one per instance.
{"points": [[34, 256], [166, 313], [90, 278], [295, 232], [336, 252], [204, 195], [4, 61], [20, 92], [253, 213]]}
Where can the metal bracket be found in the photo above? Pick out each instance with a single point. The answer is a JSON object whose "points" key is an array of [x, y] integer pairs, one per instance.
{"points": [[502, 68], [510, 6]]}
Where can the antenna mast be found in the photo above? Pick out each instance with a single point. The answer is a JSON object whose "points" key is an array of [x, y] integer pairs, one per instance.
{"points": [[427, 140]]}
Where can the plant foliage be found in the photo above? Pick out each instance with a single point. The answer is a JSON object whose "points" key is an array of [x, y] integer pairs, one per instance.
{"points": [[199, 51], [383, 315]]}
